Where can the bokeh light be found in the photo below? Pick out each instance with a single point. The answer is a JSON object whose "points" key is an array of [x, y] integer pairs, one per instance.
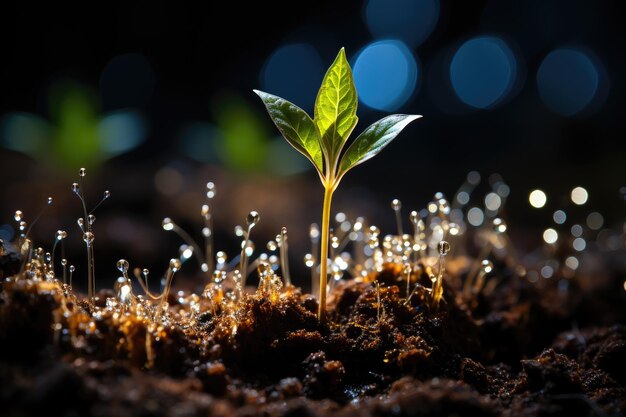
{"points": [[550, 236], [579, 244], [576, 230], [294, 72], [559, 217], [493, 201], [411, 21], [579, 196], [572, 262], [595, 220], [121, 131], [483, 71], [475, 216], [24, 132], [568, 80], [537, 198], [385, 74], [198, 141]]}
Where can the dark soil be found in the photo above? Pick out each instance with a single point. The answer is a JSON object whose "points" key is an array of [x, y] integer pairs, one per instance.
{"points": [[522, 350]]}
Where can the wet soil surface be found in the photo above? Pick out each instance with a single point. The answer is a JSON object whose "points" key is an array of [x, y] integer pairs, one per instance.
{"points": [[521, 350]]}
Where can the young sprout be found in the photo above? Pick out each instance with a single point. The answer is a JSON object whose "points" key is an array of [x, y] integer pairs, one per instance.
{"points": [[173, 267], [169, 225], [86, 226], [251, 220], [284, 260], [207, 230], [396, 205], [323, 138], [58, 237], [443, 248]]}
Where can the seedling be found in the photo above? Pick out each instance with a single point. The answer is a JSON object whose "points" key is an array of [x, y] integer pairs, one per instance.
{"points": [[322, 139]]}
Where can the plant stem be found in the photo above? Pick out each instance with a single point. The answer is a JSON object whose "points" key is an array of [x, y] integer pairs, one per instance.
{"points": [[328, 196]]}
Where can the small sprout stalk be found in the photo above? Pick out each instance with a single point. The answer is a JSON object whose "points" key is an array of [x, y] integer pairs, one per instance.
{"points": [[284, 259], [322, 140], [443, 248], [174, 266]]}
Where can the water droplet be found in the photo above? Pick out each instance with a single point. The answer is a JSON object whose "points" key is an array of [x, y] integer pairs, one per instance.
{"points": [[249, 250], [444, 206], [239, 230], [167, 224], [396, 204], [334, 242], [210, 189], [314, 232], [271, 245], [122, 266], [23, 225], [82, 172], [175, 264], [61, 234], [443, 247], [106, 195], [145, 272], [72, 268], [499, 226], [309, 260], [81, 223], [18, 215], [88, 237], [253, 218], [91, 219], [48, 257], [487, 266], [221, 257], [374, 231], [75, 188], [63, 261], [186, 252], [49, 200], [205, 210], [414, 216]]}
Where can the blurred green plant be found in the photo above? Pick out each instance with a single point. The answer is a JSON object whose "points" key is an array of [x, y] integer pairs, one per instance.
{"points": [[76, 134], [240, 141]]}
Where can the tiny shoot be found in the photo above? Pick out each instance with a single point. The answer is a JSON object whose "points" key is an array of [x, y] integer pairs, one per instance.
{"points": [[323, 138]]}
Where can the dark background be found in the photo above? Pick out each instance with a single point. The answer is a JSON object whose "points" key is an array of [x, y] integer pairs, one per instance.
{"points": [[195, 64]]}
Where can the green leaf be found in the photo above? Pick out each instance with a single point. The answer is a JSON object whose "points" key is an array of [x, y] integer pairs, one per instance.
{"points": [[373, 140], [296, 126], [335, 107]]}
